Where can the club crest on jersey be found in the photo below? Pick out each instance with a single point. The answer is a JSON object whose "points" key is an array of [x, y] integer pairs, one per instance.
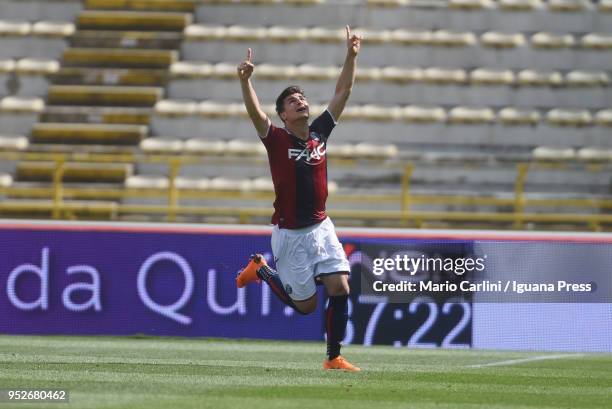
{"points": [[313, 153]]}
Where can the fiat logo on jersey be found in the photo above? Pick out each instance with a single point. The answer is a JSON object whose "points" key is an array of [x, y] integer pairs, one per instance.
{"points": [[313, 153]]}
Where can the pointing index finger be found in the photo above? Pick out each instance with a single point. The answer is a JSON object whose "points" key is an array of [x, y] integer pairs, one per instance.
{"points": [[250, 55], [348, 32]]}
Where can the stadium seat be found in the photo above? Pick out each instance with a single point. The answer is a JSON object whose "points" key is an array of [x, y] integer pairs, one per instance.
{"points": [[470, 4], [535, 78], [169, 107], [491, 77], [14, 28], [206, 146], [284, 34], [452, 39], [579, 78], [13, 142], [592, 154], [222, 183], [74, 172], [6, 180], [194, 69], [7, 65], [519, 5], [142, 5], [514, 116], [370, 112], [147, 182], [368, 74], [372, 151], [103, 95], [402, 75], [436, 75], [605, 6], [37, 66], [16, 104], [262, 185], [496, 39], [420, 114], [313, 72], [124, 58], [276, 72], [85, 133], [373, 36], [216, 109], [224, 70], [53, 29], [553, 154], [241, 147], [133, 20], [341, 150], [304, 2], [549, 40], [205, 32], [604, 117], [568, 5], [164, 145], [406, 37], [242, 33], [597, 41], [192, 183], [469, 115], [564, 117], [387, 3], [323, 35]]}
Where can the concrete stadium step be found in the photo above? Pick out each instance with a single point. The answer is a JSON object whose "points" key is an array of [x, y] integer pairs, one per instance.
{"points": [[103, 95], [103, 134], [110, 76], [157, 5], [74, 172], [127, 39], [133, 20], [119, 58], [97, 115]]}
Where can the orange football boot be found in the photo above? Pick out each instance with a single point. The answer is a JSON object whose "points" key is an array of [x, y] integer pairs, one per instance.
{"points": [[340, 363], [249, 273]]}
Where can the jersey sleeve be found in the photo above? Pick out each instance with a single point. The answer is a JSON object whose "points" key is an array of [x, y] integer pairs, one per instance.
{"points": [[270, 136], [324, 124]]}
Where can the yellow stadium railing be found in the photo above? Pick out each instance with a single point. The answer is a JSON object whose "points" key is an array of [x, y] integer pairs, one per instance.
{"points": [[61, 201]]}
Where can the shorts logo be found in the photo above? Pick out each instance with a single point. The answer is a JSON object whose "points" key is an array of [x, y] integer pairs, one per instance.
{"points": [[288, 289]]}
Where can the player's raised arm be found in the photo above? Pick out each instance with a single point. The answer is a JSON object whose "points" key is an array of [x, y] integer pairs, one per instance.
{"points": [[347, 76], [258, 116]]}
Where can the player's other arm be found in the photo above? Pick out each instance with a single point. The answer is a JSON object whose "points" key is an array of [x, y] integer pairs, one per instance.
{"points": [[251, 102], [347, 76]]}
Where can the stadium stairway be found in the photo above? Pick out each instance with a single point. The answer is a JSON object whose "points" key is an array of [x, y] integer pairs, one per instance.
{"points": [[111, 75]]}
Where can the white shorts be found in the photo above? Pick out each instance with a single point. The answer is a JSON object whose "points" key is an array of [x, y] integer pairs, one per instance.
{"points": [[303, 254]]}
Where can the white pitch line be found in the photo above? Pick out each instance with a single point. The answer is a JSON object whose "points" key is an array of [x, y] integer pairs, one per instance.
{"points": [[523, 360]]}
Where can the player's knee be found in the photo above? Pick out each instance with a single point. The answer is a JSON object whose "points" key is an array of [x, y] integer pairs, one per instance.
{"points": [[339, 289], [306, 307]]}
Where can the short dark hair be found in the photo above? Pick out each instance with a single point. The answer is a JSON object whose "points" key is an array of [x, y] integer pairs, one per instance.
{"points": [[293, 89]]}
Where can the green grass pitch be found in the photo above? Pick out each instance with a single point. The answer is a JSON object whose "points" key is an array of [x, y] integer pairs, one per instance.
{"points": [[109, 372]]}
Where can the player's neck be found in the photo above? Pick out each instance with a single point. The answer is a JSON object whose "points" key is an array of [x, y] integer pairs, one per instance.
{"points": [[298, 128]]}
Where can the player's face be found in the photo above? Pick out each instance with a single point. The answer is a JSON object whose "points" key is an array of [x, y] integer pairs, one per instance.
{"points": [[296, 107]]}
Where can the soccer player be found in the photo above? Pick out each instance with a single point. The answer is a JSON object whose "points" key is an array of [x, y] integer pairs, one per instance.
{"points": [[304, 242]]}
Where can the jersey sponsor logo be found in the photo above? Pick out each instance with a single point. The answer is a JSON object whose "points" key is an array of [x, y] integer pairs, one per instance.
{"points": [[312, 154]]}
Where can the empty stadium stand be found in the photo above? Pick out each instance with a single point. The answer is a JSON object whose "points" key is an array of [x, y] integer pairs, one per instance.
{"points": [[465, 113]]}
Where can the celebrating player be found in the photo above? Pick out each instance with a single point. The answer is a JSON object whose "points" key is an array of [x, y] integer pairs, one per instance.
{"points": [[304, 241]]}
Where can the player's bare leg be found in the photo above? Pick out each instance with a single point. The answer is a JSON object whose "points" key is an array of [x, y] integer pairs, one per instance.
{"points": [[336, 317]]}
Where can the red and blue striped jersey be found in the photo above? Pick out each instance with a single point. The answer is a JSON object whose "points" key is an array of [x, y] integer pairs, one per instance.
{"points": [[299, 173]]}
